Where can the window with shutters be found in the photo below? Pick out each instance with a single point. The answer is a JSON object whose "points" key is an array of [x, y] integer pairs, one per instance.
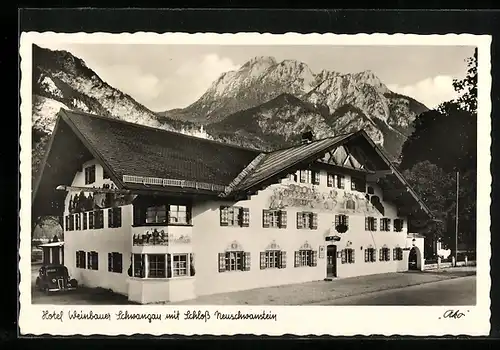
{"points": [[292, 177], [78, 222], [309, 177], [305, 176], [306, 257], [157, 266], [370, 255], [234, 261], [385, 224], [272, 259], [274, 218], [91, 220], [234, 216], [114, 217], [341, 219], [398, 225], [84, 221], [180, 265], [384, 254], [90, 175], [358, 184], [307, 220], [370, 223], [156, 215], [81, 259], [348, 256], [139, 265], [115, 262], [397, 253], [92, 260]]}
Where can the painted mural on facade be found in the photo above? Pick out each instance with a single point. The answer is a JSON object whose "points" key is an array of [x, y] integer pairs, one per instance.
{"points": [[159, 237], [294, 195]]}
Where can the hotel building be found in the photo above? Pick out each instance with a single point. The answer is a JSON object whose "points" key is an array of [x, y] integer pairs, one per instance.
{"points": [[163, 217]]}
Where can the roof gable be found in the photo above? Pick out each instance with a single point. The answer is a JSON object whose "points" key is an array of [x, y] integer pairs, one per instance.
{"points": [[277, 162]]}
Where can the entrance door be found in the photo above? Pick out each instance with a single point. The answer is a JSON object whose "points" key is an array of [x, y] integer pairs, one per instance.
{"points": [[412, 259], [55, 256], [331, 261]]}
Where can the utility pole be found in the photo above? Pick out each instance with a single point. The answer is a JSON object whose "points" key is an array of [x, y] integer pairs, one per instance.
{"points": [[456, 218]]}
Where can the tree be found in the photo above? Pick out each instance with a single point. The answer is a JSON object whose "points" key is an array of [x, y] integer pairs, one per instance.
{"points": [[447, 136], [467, 87], [444, 142]]}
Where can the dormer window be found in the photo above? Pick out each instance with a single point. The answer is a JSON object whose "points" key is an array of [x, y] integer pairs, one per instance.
{"points": [[90, 175]]}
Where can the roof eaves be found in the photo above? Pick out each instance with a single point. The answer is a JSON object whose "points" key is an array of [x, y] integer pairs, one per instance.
{"points": [[45, 157], [399, 175], [102, 160]]}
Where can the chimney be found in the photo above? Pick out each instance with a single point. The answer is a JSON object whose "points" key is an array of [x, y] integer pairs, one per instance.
{"points": [[307, 137]]}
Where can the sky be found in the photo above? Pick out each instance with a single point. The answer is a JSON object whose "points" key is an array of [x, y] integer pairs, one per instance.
{"points": [[164, 77]]}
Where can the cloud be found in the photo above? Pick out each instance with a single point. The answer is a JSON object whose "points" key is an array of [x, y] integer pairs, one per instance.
{"points": [[196, 75], [131, 79], [431, 91]]}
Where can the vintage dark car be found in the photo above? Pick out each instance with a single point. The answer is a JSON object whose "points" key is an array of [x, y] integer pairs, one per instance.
{"points": [[55, 278]]}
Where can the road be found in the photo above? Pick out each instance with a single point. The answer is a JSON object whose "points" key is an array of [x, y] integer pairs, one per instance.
{"points": [[458, 291]]}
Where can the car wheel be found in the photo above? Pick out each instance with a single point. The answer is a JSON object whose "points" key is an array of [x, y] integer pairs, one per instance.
{"points": [[73, 283]]}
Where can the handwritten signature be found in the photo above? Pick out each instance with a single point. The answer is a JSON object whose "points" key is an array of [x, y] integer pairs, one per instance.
{"points": [[454, 314]]}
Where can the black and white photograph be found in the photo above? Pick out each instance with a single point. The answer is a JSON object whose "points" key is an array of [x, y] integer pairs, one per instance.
{"points": [[255, 177]]}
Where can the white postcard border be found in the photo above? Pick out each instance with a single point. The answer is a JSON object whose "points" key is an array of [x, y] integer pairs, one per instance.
{"points": [[298, 320]]}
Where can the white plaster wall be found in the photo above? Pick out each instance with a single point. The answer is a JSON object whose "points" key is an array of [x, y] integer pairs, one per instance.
{"points": [[209, 239], [153, 290], [103, 241]]}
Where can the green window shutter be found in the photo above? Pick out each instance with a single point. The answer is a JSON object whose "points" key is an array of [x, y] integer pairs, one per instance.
{"points": [[282, 259], [282, 219], [314, 221], [224, 216], [297, 259], [222, 262], [246, 217], [246, 260], [262, 260], [110, 218], [314, 258], [299, 220], [265, 218]]}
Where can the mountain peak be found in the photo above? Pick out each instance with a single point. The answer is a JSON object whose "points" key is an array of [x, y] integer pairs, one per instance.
{"points": [[261, 60], [369, 77]]}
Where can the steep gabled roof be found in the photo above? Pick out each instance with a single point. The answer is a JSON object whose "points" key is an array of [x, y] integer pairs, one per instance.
{"points": [[128, 150], [137, 150]]}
